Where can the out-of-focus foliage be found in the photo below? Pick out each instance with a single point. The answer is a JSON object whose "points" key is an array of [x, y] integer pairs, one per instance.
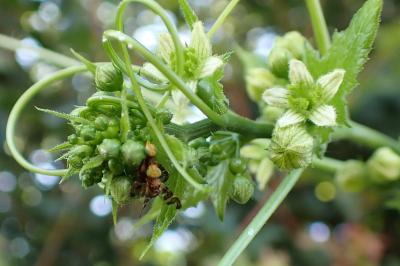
{"points": [[47, 224]]}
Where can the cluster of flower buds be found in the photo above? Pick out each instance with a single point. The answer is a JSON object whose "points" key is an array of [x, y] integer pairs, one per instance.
{"points": [[221, 148], [97, 150]]}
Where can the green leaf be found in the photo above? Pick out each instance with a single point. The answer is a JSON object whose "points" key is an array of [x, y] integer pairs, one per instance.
{"points": [[349, 51], [220, 180], [92, 163], [68, 117], [188, 13], [60, 147]]}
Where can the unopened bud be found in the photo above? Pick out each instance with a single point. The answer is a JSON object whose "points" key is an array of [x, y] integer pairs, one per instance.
{"points": [[291, 147], [352, 176], [384, 165], [108, 78], [120, 189], [242, 189], [257, 81]]}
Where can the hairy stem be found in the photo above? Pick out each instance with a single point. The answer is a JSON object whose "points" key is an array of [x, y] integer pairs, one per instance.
{"points": [[327, 164], [366, 136], [261, 218], [21, 104], [319, 25]]}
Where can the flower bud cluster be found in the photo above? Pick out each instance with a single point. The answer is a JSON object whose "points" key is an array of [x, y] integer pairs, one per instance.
{"points": [[221, 148], [98, 152]]}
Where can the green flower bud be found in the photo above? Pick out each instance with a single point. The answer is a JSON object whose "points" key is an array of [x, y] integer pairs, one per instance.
{"points": [[133, 152], [199, 142], [75, 162], [87, 180], [242, 189], [165, 116], [352, 176], [120, 189], [115, 166], [278, 61], [272, 113], [109, 148], [294, 42], [82, 151], [73, 139], [257, 81], [101, 123], [88, 133], [237, 166], [108, 78], [291, 147], [384, 165]]}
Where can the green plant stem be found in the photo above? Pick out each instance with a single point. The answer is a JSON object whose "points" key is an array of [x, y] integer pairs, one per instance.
{"points": [[319, 25], [17, 110], [327, 164], [261, 218], [221, 19], [366, 136], [156, 8], [57, 59]]}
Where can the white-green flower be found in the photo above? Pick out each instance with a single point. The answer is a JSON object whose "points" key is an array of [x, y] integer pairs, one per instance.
{"points": [[304, 98], [199, 63]]}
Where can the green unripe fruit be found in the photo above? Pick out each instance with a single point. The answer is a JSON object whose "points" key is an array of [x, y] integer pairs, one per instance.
{"points": [[352, 176], [115, 166], [109, 148], [133, 152], [108, 78], [101, 123], [237, 166], [88, 133], [120, 189], [242, 189]]}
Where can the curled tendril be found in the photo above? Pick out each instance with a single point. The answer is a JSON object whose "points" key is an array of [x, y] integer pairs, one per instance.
{"points": [[21, 104], [156, 8]]}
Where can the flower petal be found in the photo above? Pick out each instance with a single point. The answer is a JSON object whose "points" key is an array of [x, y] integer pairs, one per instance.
{"points": [[324, 116], [330, 83], [290, 118], [298, 73], [166, 47], [210, 66], [200, 42], [150, 71], [277, 97]]}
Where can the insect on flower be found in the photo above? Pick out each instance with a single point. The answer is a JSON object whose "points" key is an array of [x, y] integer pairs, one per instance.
{"points": [[150, 182]]}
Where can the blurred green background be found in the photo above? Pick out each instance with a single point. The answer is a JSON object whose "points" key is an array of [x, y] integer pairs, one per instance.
{"points": [[42, 223]]}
